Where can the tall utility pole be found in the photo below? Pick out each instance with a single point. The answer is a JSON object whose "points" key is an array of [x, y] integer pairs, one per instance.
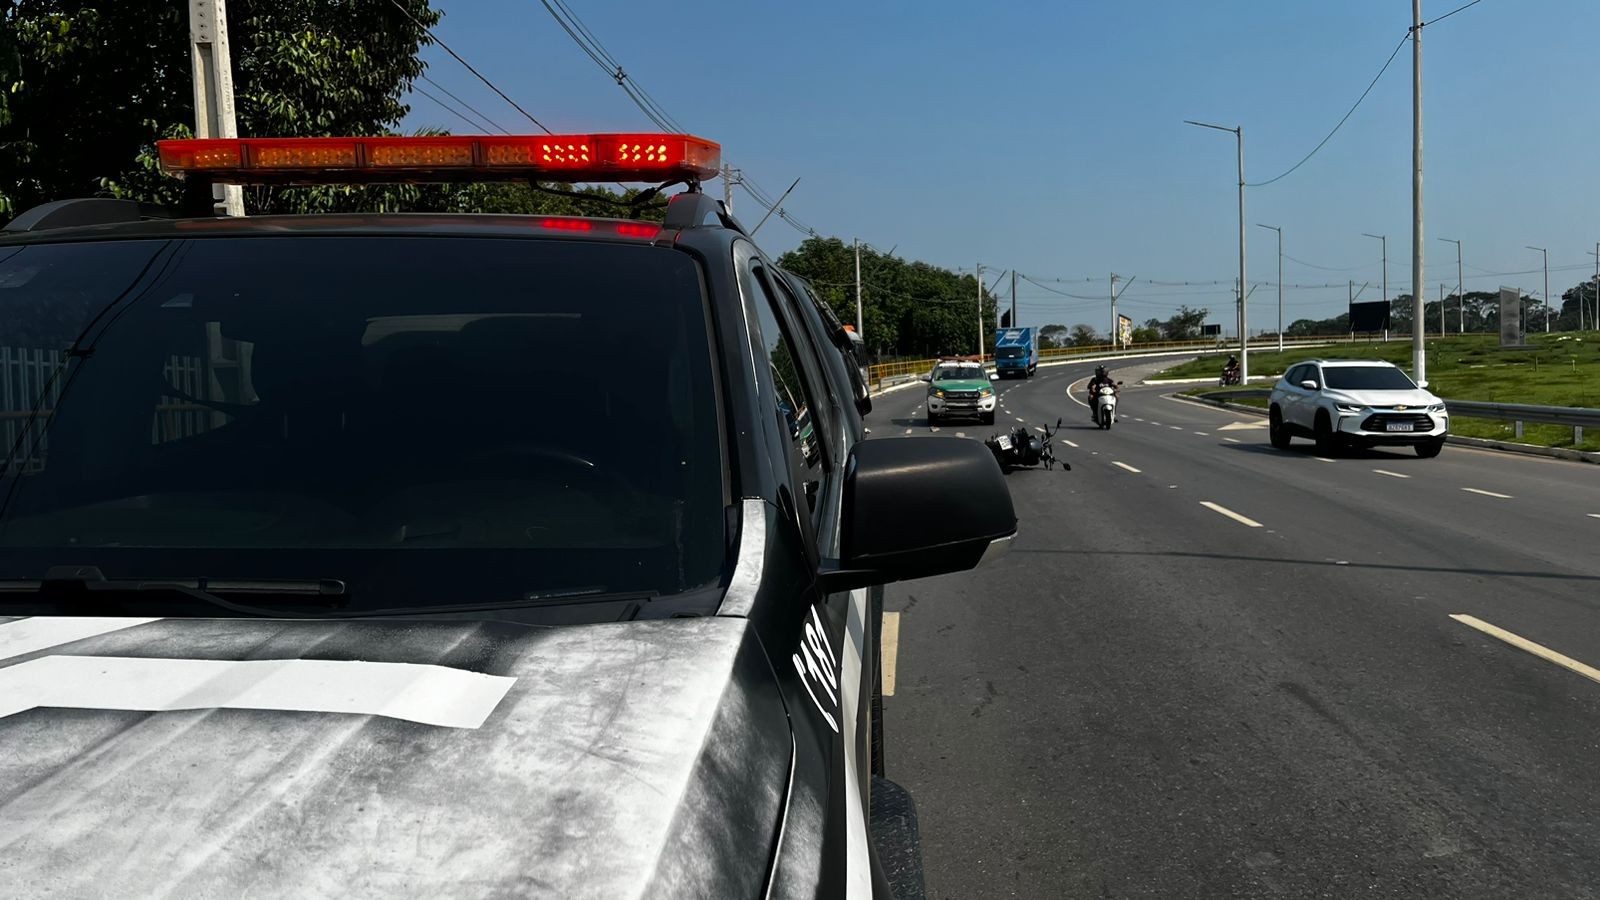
{"points": [[212, 69], [1014, 323], [979, 279], [1461, 297], [1546, 286], [1243, 318], [1419, 350], [1441, 309], [859, 330], [1280, 283], [1385, 239], [730, 177]]}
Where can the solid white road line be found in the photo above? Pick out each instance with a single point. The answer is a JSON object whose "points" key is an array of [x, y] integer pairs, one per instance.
{"points": [[1075, 446], [1522, 643], [1124, 465], [1487, 493], [1390, 474], [890, 650], [1218, 508]]}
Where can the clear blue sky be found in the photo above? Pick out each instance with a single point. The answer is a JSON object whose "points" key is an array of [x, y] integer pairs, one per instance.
{"points": [[1048, 136]]}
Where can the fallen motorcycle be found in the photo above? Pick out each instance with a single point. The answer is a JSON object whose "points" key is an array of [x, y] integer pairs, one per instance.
{"points": [[1023, 449]]}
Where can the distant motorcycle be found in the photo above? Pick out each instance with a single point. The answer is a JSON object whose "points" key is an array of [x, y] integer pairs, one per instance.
{"points": [[1230, 376], [1023, 449], [1105, 406]]}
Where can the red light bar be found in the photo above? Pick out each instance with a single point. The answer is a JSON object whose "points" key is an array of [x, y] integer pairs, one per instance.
{"points": [[575, 157]]}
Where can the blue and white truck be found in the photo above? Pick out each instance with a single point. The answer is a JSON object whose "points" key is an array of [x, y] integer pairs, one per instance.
{"points": [[1016, 352]]}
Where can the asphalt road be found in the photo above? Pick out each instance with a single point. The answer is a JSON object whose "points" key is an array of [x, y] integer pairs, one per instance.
{"points": [[1265, 696]]}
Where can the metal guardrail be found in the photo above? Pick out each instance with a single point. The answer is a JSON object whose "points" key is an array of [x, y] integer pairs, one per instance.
{"points": [[880, 375], [1577, 417]]}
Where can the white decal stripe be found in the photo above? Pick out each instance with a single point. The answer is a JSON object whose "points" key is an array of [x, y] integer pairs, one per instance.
{"points": [[857, 868], [31, 635], [430, 695]]}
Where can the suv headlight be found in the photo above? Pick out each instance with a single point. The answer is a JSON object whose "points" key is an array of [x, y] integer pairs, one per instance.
{"points": [[938, 392], [1436, 408], [986, 392], [1348, 407]]}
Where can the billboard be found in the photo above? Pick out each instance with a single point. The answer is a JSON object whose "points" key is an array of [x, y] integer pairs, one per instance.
{"points": [[1510, 317], [1367, 318], [1124, 329], [1211, 331]]}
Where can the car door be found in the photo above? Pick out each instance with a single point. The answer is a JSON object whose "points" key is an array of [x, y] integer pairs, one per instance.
{"points": [[1301, 409], [832, 762]]}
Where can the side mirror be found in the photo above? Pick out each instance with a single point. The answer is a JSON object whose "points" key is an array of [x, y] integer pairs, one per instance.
{"points": [[1309, 385], [916, 507], [926, 378]]}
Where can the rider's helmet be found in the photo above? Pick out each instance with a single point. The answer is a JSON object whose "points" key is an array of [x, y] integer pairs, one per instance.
{"points": [[1099, 371], [1233, 360]]}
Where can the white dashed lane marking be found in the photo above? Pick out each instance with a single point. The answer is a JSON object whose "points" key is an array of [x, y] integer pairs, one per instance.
{"points": [[1075, 446], [1487, 493], [1321, 459], [1390, 474], [1218, 508], [1202, 434], [1123, 465], [1232, 440]]}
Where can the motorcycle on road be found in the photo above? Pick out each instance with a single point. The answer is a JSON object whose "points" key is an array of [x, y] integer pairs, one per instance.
{"points": [[1023, 449], [1105, 406]]}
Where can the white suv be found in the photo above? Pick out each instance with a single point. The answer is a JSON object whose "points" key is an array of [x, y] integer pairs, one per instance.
{"points": [[1344, 402]]}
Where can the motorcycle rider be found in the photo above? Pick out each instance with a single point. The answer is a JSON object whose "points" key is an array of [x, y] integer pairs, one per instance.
{"points": [[1230, 371], [1101, 379]]}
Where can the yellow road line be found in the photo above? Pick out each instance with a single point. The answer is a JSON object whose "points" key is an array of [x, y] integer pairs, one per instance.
{"points": [[890, 651], [1522, 643]]}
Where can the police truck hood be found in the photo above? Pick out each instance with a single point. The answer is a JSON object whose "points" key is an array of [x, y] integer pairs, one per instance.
{"points": [[196, 757]]}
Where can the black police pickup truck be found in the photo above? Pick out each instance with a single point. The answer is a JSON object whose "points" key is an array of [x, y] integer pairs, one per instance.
{"points": [[445, 555]]}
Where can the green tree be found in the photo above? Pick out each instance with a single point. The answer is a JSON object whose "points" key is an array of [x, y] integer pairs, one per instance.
{"points": [[1184, 324], [1084, 335], [910, 308], [1054, 336]]}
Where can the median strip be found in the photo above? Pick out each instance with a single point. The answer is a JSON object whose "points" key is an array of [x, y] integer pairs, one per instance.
{"points": [[1123, 465], [1487, 493], [1219, 508], [1522, 643]]}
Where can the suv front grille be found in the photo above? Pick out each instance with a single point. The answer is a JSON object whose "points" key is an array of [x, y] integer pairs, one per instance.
{"points": [[1380, 422], [961, 395]]}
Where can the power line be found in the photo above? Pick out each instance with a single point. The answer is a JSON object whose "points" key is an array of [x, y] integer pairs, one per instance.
{"points": [[480, 76], [486, 120], [1346, 115], [1452, 12], [446, 107]]}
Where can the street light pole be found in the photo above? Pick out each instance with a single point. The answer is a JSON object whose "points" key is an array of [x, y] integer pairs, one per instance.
{"points": [[1243, 315], [1280, 282], [859, 331], [1461, 298], [1546, 287], [1419, 349], [1385, 239], [979, 279]]}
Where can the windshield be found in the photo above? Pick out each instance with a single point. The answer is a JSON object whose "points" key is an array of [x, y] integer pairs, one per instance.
{"points": [[1011, 353], [1367, 378], [960, 373], [431, 420]]}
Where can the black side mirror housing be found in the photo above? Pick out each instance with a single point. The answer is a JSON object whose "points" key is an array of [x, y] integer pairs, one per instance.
{"points": [[917, 507]]}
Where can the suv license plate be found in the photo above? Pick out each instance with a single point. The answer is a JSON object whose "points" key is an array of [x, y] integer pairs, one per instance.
{"points": [[1401, 426]]}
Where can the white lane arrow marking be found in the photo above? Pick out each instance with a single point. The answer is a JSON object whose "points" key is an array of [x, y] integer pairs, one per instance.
{"points": [[430, 695]]}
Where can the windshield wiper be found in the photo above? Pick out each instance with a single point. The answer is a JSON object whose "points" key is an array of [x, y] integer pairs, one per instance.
{"points": [[88, 586]]}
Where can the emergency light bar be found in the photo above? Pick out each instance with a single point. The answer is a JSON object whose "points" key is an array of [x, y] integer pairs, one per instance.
{"points": [[574, 157]]}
